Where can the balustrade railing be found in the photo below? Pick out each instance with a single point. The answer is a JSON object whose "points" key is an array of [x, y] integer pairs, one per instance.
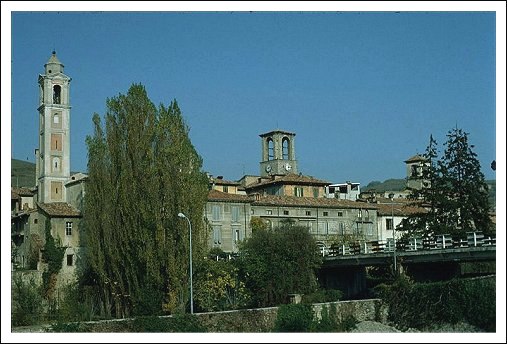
{"points": [[437, 242]]}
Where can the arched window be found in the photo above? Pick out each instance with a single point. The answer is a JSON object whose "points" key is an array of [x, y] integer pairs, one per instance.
{"points": [[57, 90], [271, 149], [56, 164], [285, 148]]}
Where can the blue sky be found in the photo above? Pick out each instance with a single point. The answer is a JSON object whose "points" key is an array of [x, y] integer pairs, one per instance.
{"points": [[363, 91]]}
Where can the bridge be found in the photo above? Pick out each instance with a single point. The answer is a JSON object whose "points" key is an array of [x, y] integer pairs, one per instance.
{"points": [[424, 259], [475, 247]]}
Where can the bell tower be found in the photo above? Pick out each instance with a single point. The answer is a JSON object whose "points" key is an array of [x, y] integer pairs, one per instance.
{"points": [[53, 155], [278, 153]]}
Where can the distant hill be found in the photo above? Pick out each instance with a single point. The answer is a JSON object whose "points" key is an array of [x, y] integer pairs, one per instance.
{"points": [[387, 185], [22, 173], [399, 185]]}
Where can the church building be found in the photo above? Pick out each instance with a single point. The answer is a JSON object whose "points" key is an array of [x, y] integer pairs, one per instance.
{"points": [[57, 195]]}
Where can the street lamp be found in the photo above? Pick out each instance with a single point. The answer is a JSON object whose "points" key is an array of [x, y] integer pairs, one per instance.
{"points": [[191, 291], [391, 196]]}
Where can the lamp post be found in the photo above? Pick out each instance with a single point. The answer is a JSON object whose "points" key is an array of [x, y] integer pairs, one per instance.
{"points": [[191, 291], [391, 196]]}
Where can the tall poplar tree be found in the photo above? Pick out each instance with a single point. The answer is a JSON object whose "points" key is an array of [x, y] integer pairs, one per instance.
{"points": [[143, 170]]}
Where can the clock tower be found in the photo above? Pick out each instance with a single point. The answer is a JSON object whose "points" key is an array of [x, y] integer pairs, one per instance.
{"points": [[278, 154], [53, 156]]}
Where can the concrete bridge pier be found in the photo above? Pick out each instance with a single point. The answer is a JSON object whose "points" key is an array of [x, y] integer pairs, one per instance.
{"points": [[351, 280]]}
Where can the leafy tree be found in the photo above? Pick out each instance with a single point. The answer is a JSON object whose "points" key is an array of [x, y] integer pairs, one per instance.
{"points": [[278, 262], [257, 223], [454, 191], [217, 286], [143, 171]]}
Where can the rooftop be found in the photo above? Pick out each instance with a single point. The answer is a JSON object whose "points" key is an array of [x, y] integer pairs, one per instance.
{"points": [[59, 209], [289, 179]]}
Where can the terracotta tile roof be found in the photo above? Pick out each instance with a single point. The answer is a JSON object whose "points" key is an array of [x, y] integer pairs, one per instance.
{"points": [[59, 209], [21, 191], [290, 179], [311, 202], [219, 196], [76, 178], [416, 158], [221, 181], [277, 131], [14, 195], [398, 209]]}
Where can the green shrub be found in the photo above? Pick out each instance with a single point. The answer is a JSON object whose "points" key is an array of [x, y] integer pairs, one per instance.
{"points": [[294, 318], [323, 295], [177, 323], [26, 303], [64, 327], [419, 304], [327, 322]]}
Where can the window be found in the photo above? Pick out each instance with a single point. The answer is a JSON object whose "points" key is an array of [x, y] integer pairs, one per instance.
{"points": [[271, 149], [35, 221], [413, 170], [57, 120], [70, 259], [341, 228], [340, 213], [57, 90], [315, 192], [237, 234], [360, 213], [298, 191], [216, 213], [286, 212], [325, 213], [217, 235], [56, 164], [226, 188], [269, 212], [308, 213], [285, 148], [235, 214], [369, 229], [68, 228], [389, 224]]}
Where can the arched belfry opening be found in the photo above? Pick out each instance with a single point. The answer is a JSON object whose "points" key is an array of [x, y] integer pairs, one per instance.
{"points": [[285, 148], [271, 149], [278, 153], [57, 94]]}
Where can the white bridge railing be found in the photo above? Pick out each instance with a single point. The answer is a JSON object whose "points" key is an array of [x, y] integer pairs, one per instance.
{"points": [[437, 242]]}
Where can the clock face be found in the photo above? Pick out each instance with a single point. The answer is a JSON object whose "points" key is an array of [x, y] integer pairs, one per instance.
{"points": [[288, 167], [268, 168]]}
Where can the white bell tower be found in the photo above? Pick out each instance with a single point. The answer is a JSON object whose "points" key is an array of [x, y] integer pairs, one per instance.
{"points": [[53, 156]]}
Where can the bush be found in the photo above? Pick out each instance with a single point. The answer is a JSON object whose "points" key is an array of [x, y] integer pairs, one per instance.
{"points": [[177, 323], [26, 303], [294, 318], [419, 305], [65, 327], [323, 295]]}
